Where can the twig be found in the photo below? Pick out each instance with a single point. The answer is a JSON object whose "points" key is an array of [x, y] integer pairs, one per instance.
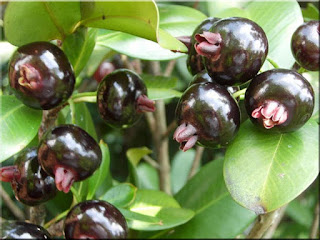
{"points": [[136, 63], [262, 224], [170, 128], [276, 223], [196, 161], [37, 214], [315, 224], [152, 162], [126, 62], [10, 204], [169, 68]]}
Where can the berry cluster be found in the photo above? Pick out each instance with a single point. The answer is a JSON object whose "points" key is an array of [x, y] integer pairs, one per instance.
{"points": [[222, 56]]}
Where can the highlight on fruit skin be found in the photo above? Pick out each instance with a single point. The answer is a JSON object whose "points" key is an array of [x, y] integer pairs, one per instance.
{"points": [[69, 154], [95, 219], [40, 75], [207, 115], [30, 183], [122, 97], [233, 49], [22, 230], [279, 100], [305, 45]]}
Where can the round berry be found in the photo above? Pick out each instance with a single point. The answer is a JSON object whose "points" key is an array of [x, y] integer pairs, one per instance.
{"points": [[234, 50], [122, 97], [29, 182], [40, 75], [194, 60], [94, 219], [103, 69], [70, 154], [305, 45], [279, 100], [206, 114], [22, 230]]}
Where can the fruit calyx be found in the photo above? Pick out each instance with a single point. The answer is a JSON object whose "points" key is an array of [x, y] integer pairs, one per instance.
{"points": [[144, 104], [208, 44], [9, 173], [272, 113], [186, 135], [30, 76], [64, 178]]}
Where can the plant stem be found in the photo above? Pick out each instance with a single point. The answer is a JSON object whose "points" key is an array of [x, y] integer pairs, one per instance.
{"points": [[196, 161], [276, 223], [239, 93], [152, 162], [263, 222], [301, 70], [37, 214], [11, 205], [315, 224], [273, 63], [84, 97], [55, 219], [170, 128]]}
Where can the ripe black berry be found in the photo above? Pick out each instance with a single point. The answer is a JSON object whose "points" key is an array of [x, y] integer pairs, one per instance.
{"points": [[194, 60], [305, 45], [234, 50], [122, 97], [95, 219], [70, 154], [22, 230], [207, 114], [103, 69], [279, 100], [29, 182], [40, 75]]}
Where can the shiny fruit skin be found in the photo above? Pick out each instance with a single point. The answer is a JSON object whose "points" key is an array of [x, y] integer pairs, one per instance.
{"points": [[194, 61], [22, 230], [287, 87], [50, 76], [116, 98], [244, 49], [305, 45], [95, 219], [33, 186], [71, 147], [211, 109]]}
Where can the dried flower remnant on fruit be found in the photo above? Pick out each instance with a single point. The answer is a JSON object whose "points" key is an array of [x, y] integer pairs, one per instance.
{"points": [[208, 45]]}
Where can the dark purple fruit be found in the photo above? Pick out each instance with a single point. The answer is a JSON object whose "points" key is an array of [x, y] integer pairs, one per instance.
{"points": [[208, 115], [203, 77], [29, 182], [70, 154], [234, 50], [305, 45], [194, 60], [95, 219], [279, 100], [122, 97], [22, 230], [104, 69], [40, 75]]}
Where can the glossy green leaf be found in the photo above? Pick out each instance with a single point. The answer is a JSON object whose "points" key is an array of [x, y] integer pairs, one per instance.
{"points": [[152, 81], [136, 154], [26, 22], [216, 214], [147, 177], [19, 124], [300, 213], [279, 19], [161, 93], [131, 217], [264, 171], [313, 78], [180, 169], [160, 205], [78, 48], [121, 195], [311, 12], [102, 174]]}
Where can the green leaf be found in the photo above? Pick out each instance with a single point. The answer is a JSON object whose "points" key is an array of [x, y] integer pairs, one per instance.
{"points": [[263, 171], [78, 48], [313, 78], [152, 81], [26, 22], [160, 205], [102, 174], [160, 93], [310, 13], [300, 213], [147, 177], [279, 19], [121, 195], [136, 154], [180, 168], [216, 214], [19, 124], [131, 217]]}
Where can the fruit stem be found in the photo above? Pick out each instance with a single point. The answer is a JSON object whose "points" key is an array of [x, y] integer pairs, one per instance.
{"points": [[55, 219], [73, 111], [273, 63], [301, 70], [85, 97], [239, 93]]}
